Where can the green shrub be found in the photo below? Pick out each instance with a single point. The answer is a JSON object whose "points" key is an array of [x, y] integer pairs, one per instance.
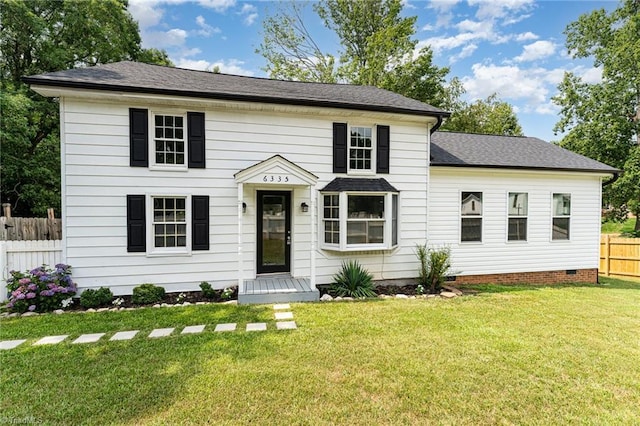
{"points": [[353, 281], [146, 294], [435, 265], [207, 291], [92, 298]]}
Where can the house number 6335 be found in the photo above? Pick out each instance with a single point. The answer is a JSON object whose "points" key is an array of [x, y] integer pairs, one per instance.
{"points": [[275, 178]]}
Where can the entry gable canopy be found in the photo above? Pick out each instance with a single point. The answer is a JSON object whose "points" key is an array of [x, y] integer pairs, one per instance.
{"points": [[276, 170]]}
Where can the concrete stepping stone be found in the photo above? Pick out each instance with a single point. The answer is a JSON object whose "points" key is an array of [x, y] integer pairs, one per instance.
{"points": [[11, 344], [192, 329], [225, 327], [124, 335], [51, 340], [284, 315], [89, 338], [286, 325], [161, 332], [281, 307], [257, 326]]}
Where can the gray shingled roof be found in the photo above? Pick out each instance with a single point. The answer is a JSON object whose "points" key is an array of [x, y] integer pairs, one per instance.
{"points": [[359, 184], [145, 78], [515, 152]]}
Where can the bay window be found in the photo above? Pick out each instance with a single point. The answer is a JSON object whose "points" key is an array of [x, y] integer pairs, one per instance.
{"points": [[360, 221]]}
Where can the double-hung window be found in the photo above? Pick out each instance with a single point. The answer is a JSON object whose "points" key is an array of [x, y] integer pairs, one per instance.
{"points": [[518, 205], [561, 221], [169, 140], [361, 149], [169, 222], [360, 221], [471, 217]]}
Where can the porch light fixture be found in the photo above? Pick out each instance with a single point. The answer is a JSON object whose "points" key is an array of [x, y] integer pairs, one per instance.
{"points": [[244, 207], [304, 207]]}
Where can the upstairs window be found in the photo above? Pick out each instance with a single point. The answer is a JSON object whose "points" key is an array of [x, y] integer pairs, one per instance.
{"points": [[169, 139], [471, 217], [518, 211], [360, 149], [561, 222]]}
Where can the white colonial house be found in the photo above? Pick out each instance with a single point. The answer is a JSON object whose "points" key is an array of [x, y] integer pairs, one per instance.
{"points": [[175, 177]]}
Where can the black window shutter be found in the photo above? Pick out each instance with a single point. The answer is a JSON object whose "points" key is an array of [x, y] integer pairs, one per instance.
{"points": [[138, 137], [195, 136], [382, 153], [200, 222], [339, 147], [136, 224]]}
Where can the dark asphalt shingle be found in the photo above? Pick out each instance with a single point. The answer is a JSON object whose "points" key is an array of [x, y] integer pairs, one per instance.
{"points": [[145, 78], [359, 184], [516, 152]]}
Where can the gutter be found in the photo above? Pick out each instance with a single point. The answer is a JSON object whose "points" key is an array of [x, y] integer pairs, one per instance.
{"points": [[438, 124]]}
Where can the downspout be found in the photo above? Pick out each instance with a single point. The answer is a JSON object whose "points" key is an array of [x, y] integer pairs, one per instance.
{"points": [[616, 176], [437, 125]]}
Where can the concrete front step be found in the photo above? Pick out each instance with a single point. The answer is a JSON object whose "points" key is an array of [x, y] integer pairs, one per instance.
{"points": [[298, 296]]}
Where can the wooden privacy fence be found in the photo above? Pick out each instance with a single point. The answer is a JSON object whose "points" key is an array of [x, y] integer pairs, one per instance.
{"points": [[30, 228], [26, 255], [620, 256]]}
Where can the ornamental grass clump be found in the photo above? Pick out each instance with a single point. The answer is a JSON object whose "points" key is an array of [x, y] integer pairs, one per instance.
{"points": [[353, 281], [435, 265], [40, 290]]}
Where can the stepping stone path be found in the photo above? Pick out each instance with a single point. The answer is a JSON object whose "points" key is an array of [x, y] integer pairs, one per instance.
{"points": [[161, 332], [124, 335], [282, 312], [89, 338]]}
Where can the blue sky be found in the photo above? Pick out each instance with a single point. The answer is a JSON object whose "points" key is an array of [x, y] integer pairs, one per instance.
{"points": [[512, 47]]}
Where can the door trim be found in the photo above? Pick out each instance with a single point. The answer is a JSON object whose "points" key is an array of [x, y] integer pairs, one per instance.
{"points": [[266, 269]]}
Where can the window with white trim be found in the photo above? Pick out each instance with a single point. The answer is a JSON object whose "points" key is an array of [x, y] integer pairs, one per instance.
{"points": [[169, 222], [360, 221], [561, 222], [169, 139], [518, 207], [471, 217], [331, 219], [361, 148]]}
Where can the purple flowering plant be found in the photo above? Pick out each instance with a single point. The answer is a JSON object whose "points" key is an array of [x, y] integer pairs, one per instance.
{"points": [[42, 289]]}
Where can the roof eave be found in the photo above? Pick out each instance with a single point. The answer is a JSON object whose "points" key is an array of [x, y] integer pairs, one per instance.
{"points": [[230, 97], [556, 169]]}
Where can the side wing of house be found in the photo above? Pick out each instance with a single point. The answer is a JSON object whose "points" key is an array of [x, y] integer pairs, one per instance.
{"points": [[529, 226]]}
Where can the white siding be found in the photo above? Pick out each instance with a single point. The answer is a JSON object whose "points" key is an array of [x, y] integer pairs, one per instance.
{"points": [[97, 178], [497, 255]]}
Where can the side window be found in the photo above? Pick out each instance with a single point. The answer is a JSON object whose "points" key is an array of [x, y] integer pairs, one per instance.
{"points": [[471, 217], [518, 210], [561, 222]]}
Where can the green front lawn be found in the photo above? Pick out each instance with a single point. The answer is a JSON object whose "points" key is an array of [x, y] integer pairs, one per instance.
{"points": [[511, 355]]}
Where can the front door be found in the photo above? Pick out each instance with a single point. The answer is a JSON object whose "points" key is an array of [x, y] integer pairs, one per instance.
{"points": [[274, 231]]}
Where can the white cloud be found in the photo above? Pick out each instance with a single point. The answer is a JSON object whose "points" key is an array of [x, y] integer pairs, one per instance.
{"points": [[407, 5], [250, 13], [147, 13], [205, 29], [162, 39], [443, 11], [464, 53], [526, 36], [496, 9], [428, 27], [591, 75], [229, 66], [509, 82], [217, 5], [537, 50]]}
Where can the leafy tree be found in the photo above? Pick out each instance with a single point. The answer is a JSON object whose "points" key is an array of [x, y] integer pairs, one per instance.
{"points": [[376, 48], [39, 36], [486, 116], [603, 119]]}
